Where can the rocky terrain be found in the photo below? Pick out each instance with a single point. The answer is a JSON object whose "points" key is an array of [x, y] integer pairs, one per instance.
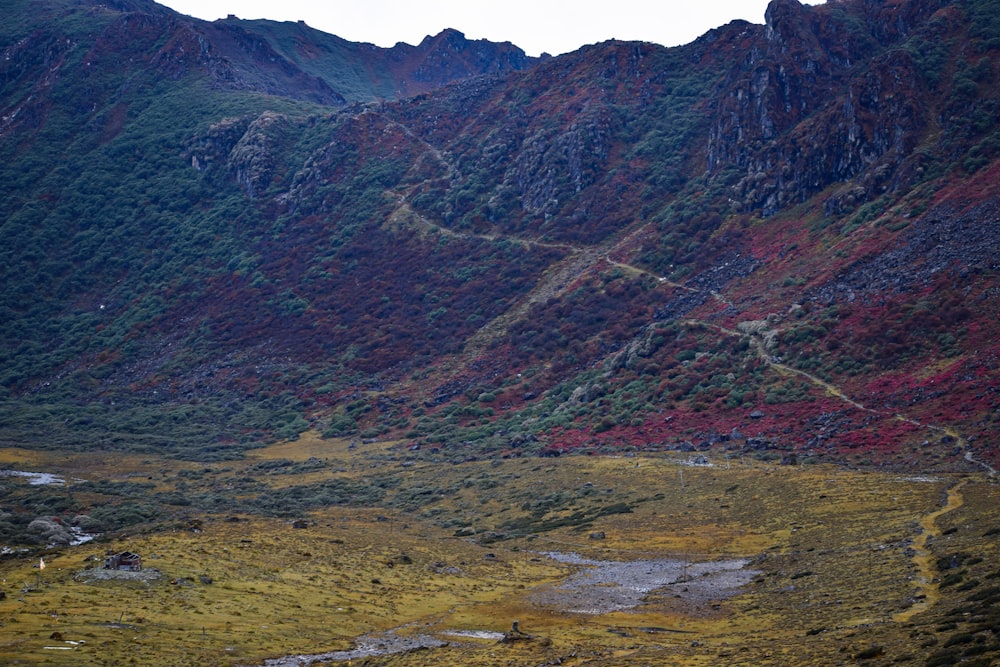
{"points": [[776, 242]]}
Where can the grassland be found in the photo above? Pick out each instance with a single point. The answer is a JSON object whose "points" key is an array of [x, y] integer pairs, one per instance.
{"points": [[843, 566]]}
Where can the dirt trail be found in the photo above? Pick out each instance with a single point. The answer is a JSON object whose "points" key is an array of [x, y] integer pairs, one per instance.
{"points": [[930, 591], [768, 358], [990, 470], [554, 282], [630, 268], [404, 214], [837, 392], [581, 260]]}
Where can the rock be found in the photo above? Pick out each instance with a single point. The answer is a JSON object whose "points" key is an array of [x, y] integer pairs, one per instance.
{"points": [[753, 444], [515, 634], [597, 535], [50, 530]]}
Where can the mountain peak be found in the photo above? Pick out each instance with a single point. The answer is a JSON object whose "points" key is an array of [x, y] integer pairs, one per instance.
{"points": [[447, 35]]}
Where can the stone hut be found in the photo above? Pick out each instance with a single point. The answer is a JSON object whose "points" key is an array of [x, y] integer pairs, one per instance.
{"points": [[126, 560]]}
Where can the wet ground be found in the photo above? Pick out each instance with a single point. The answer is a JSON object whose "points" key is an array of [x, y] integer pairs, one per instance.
{"points": [[607, 586], [599, 587], [370, 645]]}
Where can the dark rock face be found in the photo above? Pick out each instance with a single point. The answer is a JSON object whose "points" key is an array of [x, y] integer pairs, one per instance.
{"points": [[821, 97], [253, 159], [449, 56]]}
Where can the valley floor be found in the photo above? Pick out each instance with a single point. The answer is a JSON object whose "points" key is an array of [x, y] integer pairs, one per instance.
{"points": [[599, 561]]}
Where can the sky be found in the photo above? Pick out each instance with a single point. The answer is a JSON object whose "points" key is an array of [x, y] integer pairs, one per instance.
{"points": [[537, 26]]}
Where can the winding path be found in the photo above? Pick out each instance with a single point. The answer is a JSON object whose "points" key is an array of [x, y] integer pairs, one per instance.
{"points": [[835, 391], [581, 260], [930, 591]]}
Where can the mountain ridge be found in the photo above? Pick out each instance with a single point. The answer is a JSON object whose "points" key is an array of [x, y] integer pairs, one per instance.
{"points": [[628, 246]]}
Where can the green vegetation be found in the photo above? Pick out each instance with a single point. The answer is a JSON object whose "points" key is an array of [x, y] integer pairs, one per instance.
{"points": [[321, 355], [201, 257]]}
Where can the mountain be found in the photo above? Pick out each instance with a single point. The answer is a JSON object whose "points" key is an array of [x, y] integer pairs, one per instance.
{"points": [[367, 73], [779, 240]]}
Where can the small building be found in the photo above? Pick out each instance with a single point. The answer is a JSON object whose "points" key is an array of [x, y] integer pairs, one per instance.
{"points": [[125, 560]]}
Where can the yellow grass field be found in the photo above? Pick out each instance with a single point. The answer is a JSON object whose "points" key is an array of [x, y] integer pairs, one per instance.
{"points": [[839, 566]]}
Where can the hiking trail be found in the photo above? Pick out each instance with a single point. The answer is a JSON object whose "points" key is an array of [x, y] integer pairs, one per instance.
{"points": [[923, 559]]}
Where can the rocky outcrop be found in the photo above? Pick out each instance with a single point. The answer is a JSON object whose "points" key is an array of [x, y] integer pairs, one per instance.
{"points": [[552, 166], [254, 157], [449, 56], [249, 148], [213, 146], [823, 96]]}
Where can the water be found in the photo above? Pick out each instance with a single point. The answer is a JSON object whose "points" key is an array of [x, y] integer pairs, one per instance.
{"points": [[607, 586], [365, 647], [35, 478]]}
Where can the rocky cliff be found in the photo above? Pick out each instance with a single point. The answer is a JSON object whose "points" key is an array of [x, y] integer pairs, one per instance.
{"points": [[838, 94]]}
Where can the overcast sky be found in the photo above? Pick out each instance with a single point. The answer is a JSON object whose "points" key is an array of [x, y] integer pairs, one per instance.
{"points": [[553, 26]]}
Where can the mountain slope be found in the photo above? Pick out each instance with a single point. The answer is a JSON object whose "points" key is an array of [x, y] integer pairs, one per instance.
{"points": [[366, 73], [778, 239]]}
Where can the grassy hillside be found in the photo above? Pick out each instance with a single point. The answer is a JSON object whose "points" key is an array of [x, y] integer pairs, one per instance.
{"points": [[679, 356], [777, 240]]}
